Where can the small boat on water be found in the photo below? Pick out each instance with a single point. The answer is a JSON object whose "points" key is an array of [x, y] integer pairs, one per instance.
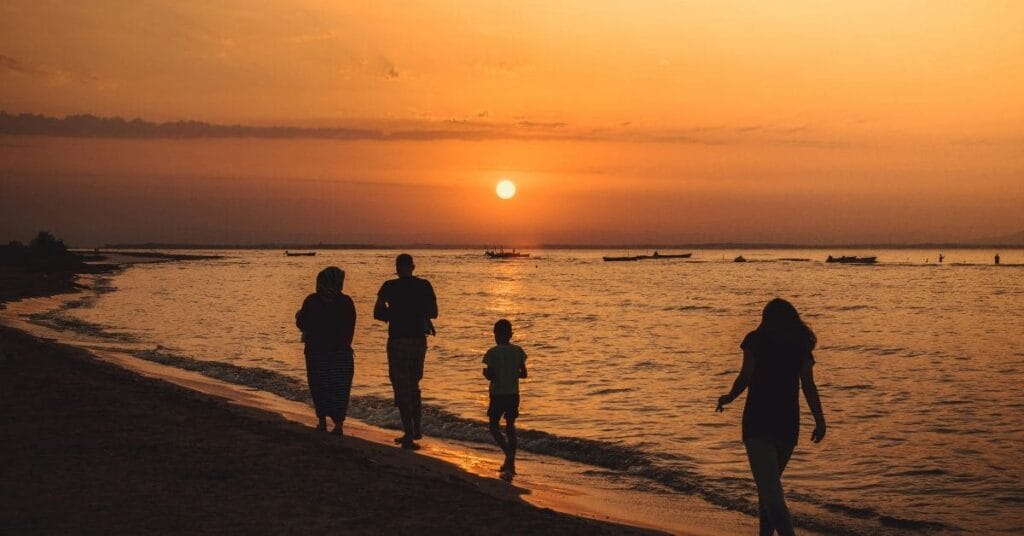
{"points": [[300, 254], [655, 255], [502, 254], [660, 256], [741, 258], [851, 260]]}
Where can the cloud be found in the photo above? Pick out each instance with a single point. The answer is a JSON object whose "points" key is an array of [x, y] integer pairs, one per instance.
{"points": [[538, 124], [57, 77], [386, 68], [14, 65], [89, 126]]}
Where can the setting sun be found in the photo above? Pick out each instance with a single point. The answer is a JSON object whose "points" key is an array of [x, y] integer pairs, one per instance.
{"points": [[506, 189]]}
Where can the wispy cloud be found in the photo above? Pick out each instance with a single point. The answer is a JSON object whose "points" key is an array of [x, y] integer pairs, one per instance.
{"points": [[14, 65], [414, 130]]}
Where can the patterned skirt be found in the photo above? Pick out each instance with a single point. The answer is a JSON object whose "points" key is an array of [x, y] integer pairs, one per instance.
{"points": [[330, 381]]}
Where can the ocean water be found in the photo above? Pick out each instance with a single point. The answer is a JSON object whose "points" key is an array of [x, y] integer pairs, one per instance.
{"points": [[920, 366]]}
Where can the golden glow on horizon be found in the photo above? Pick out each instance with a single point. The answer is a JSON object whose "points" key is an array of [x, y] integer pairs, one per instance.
{"points": [[506, 189], [649, 121]]}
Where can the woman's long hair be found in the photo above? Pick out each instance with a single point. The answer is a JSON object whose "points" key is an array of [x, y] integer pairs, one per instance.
{"points": [[781, 322]]}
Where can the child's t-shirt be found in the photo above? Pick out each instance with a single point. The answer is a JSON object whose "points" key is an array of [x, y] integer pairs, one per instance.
{"points": [[505, 361]]}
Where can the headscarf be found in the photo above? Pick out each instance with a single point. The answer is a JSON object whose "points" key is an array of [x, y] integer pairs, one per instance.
{"points": [[329, 282]]}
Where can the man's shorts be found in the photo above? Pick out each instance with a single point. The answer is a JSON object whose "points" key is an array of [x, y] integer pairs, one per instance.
{"points": [[503, 405]]}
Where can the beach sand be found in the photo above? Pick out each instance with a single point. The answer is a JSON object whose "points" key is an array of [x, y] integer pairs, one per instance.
{"points": [[90, 447]]}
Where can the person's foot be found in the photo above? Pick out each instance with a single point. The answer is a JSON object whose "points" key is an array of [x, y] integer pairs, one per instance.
{"points": [[322, 427], [402, 439], [508, 467], [337, 430], [410, 445]]}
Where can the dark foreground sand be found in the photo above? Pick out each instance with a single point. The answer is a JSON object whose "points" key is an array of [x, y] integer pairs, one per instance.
{"points": [[88, 447]]}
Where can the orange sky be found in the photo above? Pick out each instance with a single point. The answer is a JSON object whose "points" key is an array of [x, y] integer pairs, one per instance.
{"points": [[680, 121]]}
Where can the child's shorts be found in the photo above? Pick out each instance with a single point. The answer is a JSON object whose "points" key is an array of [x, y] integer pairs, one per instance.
{"points": [[503, 405]]}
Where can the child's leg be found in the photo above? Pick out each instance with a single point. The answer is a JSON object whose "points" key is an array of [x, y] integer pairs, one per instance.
{"points": [[495, 426], [510, 431], [510, 454]]}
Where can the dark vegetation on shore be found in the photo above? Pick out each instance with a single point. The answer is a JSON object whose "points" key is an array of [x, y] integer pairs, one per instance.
{"points": [[47, 266], [42, 267]]}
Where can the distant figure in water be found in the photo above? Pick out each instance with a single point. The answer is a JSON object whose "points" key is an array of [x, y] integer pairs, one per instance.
{"points": [[997, 258], [504, 364], [328, 320], [777, 362], [407, 304], [941, 257]]}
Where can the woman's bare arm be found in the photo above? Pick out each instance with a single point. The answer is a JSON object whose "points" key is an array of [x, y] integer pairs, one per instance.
{"points": [[741, 382], [813, 400]]}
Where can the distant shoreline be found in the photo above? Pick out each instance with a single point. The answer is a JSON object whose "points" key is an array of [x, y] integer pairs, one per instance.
{"points": [[613, 247]]}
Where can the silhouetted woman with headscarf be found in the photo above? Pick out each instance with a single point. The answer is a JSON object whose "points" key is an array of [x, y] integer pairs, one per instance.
{"points": [[328, 320], [777, 362]]}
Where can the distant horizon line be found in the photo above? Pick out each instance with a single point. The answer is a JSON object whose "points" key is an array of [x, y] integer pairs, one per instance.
{"points": [[694, 246]]}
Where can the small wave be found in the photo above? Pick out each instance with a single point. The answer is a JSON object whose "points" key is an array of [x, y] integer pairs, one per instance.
{"points": [[922, 472], [856, 387], [60, 321], [610, 391], [693, 308], [849, 307]]}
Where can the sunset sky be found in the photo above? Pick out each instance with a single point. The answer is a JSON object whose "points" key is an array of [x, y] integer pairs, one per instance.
{"points": [[654, 122]]}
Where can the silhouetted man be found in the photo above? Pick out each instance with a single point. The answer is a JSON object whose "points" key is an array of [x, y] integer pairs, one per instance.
{"points": [[407, 304]]}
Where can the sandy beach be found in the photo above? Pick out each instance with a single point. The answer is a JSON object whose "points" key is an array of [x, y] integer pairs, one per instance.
{"points": [[92, 447]]}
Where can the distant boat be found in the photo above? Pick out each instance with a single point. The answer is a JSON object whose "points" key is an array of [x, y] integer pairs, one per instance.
{"points": [[655, 255], [741, 258], [300, 254], [502, 254], [852, 260], [660, 256]]}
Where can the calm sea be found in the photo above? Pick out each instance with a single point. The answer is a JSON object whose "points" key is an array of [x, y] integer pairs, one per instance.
{"points": [[920, 365]]}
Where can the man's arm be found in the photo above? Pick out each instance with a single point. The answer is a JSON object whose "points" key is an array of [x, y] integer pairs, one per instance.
{"points": [[431, 301], [522, 370], [380, 309]]}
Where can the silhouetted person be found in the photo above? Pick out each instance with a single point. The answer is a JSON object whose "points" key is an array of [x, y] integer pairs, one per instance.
{"points": [[777, 362], [328, 320], [997, 258], [504, 364], [941, 257], [407, 304]]}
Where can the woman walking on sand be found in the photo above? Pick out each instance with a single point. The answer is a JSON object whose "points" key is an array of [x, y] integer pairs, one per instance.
{"points": [[777, 362], [327, 320]]}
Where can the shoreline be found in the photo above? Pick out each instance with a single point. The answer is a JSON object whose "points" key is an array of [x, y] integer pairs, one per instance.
{"points": [[447, 460]]}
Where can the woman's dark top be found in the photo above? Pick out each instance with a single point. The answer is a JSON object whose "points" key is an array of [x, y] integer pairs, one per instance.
{"points": [[327, 325], [773, 396]]}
